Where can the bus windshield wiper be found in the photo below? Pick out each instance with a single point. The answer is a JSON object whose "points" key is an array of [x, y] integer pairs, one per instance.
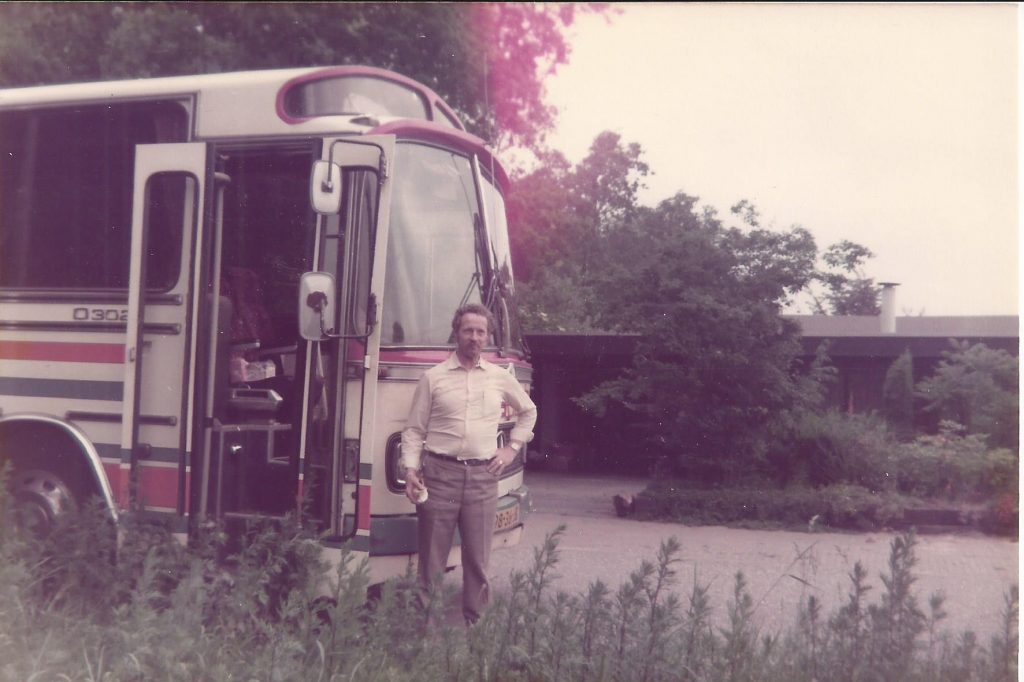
{"points": [[474, 278]]}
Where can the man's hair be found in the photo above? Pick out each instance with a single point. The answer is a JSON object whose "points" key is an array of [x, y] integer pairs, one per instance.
{"points": [[473, 309]]}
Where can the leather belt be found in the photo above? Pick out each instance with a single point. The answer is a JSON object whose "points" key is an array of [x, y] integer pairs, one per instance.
{"points": [[465, 462]]}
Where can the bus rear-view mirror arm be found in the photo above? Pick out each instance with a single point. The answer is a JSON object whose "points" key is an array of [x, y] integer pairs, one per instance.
{"points": [[325, 180], [317, 300]]}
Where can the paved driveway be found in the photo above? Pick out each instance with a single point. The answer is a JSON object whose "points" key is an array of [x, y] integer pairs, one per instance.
{"points": [[972, 570]]}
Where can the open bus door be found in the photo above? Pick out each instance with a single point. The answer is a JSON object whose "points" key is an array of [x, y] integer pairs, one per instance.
{"points": [[159, 347], [285, 415], [339, 313]]}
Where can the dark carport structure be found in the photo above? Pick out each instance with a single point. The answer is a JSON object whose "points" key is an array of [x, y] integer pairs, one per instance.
{"points": [[565, 367]]}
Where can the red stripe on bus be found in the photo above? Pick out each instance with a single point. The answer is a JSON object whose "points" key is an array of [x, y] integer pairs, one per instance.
{"points": [[363, 508], [355, 351], [158, 486], [113, 472], [415, 356], [62, 352], [436, 355]]}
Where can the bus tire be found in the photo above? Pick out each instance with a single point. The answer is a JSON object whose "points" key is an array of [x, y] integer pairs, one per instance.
{"points": [[41, 499]]}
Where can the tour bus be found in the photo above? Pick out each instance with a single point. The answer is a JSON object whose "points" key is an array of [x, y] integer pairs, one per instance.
{"points": [[217, 294]]}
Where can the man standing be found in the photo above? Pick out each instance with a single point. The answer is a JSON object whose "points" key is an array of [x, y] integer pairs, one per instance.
{"points": [[449, 448]]}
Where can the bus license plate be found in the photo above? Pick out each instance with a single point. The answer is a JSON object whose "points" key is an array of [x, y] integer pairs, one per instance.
{"points": [[507, 518]]}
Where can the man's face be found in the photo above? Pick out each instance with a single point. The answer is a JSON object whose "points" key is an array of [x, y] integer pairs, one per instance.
{"points": [[472, 336]]}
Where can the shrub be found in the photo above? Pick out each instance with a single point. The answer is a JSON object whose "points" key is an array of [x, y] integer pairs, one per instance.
{"points": [[831, 448], [838, 506], [898, 396], [976, 386], [954, 466]]}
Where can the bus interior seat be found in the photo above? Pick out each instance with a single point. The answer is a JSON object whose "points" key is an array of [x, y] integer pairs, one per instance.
{"points": [[253, 362], [251, 323]]}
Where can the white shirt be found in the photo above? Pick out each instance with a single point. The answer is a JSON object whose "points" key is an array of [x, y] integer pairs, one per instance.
{"points": [[456, 412]]}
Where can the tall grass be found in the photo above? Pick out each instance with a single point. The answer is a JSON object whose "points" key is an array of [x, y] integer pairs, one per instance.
{"points": [[165, 612]]}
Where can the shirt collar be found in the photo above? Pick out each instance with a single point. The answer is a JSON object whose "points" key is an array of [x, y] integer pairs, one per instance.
{"points": [[453, 362]]}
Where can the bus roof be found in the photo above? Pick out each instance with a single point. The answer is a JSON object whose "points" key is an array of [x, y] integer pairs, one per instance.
{"points": [[262, 95], [303, 101]]}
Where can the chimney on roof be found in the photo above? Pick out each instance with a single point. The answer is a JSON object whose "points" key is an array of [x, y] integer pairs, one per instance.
{"points": [[887, 317]]}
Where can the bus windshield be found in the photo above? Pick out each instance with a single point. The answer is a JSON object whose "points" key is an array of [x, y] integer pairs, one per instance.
{"points": [[498, 226], [434, 260]]}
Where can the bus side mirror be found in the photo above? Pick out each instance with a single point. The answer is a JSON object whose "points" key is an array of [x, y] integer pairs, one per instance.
{"points": [[325, 187], [317, 298]]}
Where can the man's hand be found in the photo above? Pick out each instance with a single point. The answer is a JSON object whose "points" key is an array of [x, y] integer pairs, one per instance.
{"points": [[414, 485], [502, 458]]}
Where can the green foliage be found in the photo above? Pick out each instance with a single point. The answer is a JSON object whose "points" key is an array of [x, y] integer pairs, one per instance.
{"points": [[953, 465], [556, 300], [263, 615], [835, 506], [713, 367], [976, 386], [559, 213], [488, 60], [847, 289], [894, 638], [826, 448], [714, 377], [898, 396], [832, 448], [846, 471]]}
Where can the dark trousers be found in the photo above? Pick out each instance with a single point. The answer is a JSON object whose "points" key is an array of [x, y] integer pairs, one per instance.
{"points": [[465, 497]]}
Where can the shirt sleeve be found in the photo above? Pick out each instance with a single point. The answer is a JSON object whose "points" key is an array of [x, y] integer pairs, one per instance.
{"points": [[526, 410], [415, 431]]}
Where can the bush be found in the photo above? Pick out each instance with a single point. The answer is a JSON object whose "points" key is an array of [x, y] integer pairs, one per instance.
{"points": [[831, 448], [954, 466], [857, 450], [837, 506], [898, 396], [976, 386]]}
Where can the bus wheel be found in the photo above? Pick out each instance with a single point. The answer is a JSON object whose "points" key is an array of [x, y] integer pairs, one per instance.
{"points": [[40, 498]]}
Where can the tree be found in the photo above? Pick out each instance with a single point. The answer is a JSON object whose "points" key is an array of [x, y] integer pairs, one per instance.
{"points": [[848, 290], [488, 60], [715, 364], [558, 212], [898, 396], [976, 386]]}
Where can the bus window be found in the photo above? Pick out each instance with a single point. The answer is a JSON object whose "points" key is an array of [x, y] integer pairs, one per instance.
{"points": [[498, 224], [170, 205], [353, 95], [432, 259], [66, 194]]}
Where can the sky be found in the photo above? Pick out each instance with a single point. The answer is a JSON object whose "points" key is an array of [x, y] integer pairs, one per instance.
{"points": [[894, 126]]}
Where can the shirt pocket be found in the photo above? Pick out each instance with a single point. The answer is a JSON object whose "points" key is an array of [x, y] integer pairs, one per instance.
{"points": [[491, 402]]}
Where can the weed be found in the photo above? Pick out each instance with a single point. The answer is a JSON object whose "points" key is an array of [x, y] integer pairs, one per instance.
{"points": [[191, 614]]}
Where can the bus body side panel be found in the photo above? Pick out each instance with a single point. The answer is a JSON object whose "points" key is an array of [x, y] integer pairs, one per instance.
{"points": [[59, 373]]}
